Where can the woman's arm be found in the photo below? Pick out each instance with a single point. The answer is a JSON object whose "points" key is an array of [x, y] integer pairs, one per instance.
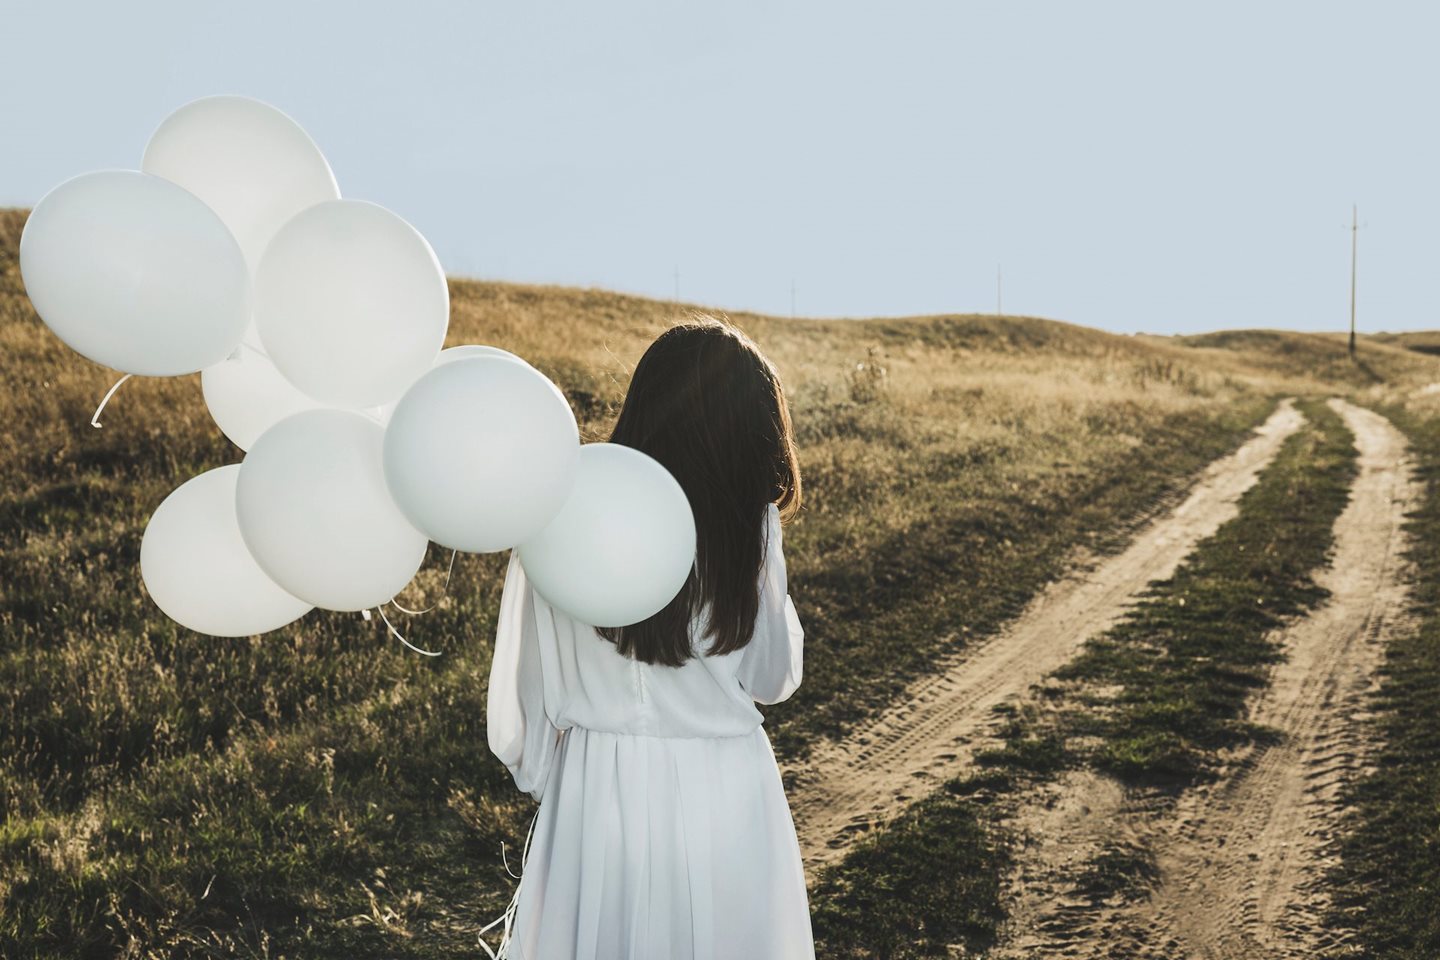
{"points": [[518, 729], [772, 664]]}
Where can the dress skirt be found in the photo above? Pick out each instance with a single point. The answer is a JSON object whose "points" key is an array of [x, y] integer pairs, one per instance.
{"points": [[662, 848]]}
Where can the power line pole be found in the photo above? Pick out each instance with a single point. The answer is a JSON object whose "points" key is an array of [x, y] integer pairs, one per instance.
{"points": [[1354, 252]]}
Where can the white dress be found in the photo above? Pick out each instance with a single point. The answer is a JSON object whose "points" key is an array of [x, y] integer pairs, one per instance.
{"points": [[663, 831]]}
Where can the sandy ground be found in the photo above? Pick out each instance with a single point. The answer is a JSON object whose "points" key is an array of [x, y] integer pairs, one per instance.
{"points": [[848, 787], [1240, 861]]}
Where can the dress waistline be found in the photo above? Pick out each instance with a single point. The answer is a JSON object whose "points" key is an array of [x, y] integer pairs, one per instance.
{"points": [[661, 736]]}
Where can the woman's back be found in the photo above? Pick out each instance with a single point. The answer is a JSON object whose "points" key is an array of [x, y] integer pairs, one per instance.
{"points": [[602, 689], [577, 678], [663, 829]]}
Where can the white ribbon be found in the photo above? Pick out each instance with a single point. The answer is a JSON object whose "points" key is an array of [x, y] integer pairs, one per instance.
{"points": [[508, 917], [95, 420], [391, 627], [443, 590]]}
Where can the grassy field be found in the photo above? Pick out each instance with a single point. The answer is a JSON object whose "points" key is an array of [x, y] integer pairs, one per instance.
{"points": [[319, 791], [1154, 698]]}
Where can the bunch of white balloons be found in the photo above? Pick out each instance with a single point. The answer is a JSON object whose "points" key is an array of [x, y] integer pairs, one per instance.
{"points": [[317, 325]]}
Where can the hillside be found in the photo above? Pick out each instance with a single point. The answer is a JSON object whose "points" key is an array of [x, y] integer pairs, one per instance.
{"points": [[320, 791]]}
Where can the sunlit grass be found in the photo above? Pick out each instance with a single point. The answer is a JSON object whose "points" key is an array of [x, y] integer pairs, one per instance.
{"points": [[320, 791]]}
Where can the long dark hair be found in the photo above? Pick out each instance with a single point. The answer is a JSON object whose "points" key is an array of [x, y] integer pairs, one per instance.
{"points": [[708, 405]]}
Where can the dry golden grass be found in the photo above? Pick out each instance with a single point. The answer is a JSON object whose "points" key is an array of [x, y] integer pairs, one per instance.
{"points": [[319, 791]]}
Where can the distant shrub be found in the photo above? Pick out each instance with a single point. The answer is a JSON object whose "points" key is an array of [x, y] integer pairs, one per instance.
{"points": [[1164, 371], [869, 379]]}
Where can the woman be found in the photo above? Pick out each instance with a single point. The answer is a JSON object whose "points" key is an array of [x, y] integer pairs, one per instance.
{"points": [[663, 830]]}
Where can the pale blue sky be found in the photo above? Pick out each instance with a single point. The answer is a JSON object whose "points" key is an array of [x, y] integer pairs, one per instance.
{"points": [[1133, 166]]}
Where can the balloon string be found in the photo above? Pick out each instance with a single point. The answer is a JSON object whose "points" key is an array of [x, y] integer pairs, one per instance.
{"points": [[398, 636], [95, 420], [443, 590], [508, 917]]}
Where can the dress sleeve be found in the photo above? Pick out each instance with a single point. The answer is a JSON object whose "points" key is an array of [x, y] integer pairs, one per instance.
{"points": [[519, 730], [771, 664]]}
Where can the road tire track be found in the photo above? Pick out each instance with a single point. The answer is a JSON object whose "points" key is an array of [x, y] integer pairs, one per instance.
{"points": [[846, 788], [1241, 861]]}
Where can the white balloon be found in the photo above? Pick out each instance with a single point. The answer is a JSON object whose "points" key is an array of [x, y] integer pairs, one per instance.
{"points": [[135, 273], [481, 453], [198, 570], [251, 163], [351, 303], [314, 511], [465, 350], [453, 353], [246, 395], [621, 547]]}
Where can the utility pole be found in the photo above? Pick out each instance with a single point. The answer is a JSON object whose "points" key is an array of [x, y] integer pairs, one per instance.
{"points": [[1354, 249]]}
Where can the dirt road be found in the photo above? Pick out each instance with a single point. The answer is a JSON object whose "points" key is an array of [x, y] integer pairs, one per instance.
{"points": [[848, 787], [1240, 861]]}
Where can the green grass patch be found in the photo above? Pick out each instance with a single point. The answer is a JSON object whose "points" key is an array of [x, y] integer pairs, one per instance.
{"points": [[1387, 884], [929, 881]]}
